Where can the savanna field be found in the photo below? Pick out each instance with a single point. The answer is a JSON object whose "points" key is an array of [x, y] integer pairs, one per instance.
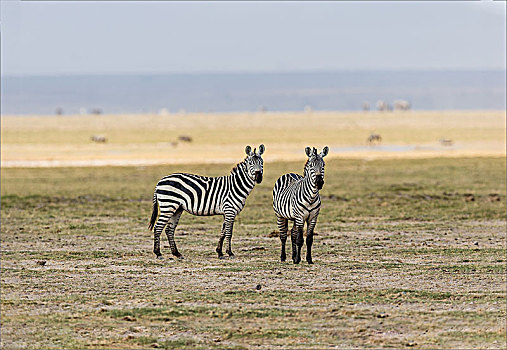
{"points": [[409, 252]]}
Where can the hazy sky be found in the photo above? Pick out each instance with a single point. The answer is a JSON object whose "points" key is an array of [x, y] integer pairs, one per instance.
{"points": [[178, 37]]}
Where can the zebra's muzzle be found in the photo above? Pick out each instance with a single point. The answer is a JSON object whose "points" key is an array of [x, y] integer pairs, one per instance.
{"points": [[319, 181], [258, 177]]}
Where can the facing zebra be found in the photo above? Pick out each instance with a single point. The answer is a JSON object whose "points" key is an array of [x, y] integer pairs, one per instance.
{"points": [[297, 198], [204, 196]]}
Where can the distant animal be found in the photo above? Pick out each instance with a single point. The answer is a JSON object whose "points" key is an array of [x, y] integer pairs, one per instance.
{"points": [[184, 138], [374, 139], [366, 106], [381, 105], [296, 198], [96, 111], [99, 138], [401, 105], [59, 111], [446, 142], [204, 196]]}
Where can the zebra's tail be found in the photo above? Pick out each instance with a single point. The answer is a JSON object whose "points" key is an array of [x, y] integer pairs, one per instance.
{"points": [[154, 213]]}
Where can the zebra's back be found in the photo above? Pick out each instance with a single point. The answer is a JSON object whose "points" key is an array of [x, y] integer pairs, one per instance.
{"points": [[283, 192], [198, 195], [285, 181]]}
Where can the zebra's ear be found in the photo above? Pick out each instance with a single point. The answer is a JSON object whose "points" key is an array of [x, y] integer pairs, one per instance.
{"points": [[324, 152], [261, 149], [248, 150], [308, 151]]}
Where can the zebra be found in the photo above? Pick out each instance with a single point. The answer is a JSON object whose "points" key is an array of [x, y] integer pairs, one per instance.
{"points": [[297, 198], [204, 196]]}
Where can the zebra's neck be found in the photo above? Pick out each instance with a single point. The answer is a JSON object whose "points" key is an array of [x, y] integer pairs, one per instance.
{"points": [[240, 178], [310, 182]]}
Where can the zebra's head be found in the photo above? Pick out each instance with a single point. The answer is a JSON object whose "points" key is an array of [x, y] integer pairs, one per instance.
{"points": [[315, 164], [254, 163]]}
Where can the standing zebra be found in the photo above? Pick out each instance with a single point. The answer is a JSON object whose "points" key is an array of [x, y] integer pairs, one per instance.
{"points": [[296, 198], [204, 196]]}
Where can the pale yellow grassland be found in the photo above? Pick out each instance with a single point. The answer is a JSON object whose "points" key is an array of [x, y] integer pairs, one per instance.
{"points": [[146, 139]]}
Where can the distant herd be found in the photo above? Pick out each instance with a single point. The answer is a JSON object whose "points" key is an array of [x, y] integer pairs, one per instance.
{"points": [[383, 106], [295, 198]]}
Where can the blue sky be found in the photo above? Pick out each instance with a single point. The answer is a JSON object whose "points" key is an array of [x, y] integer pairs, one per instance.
{"points": [[41, 37]]}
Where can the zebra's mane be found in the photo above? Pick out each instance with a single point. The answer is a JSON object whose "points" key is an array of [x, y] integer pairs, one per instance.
{"points": [[304, 169], [237, 166]]}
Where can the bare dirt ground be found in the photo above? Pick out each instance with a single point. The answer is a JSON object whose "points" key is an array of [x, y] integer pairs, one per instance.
{"points": [[408, 254], [368, 288]]}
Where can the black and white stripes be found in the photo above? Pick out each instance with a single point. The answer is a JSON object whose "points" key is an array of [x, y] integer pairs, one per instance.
{"points": [[296, 198], [204, 196]]}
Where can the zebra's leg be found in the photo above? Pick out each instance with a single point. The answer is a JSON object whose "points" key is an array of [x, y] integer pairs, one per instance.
{"points": [[221, 242], [293, 238], [309, 238], [282, 227], [229, 223], [299, 240], [169, 231], [165, 215]]}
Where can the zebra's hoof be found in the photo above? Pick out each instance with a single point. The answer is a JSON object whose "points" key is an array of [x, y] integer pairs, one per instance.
{"points": [[231, 254], [160, 257], [178, 255], [310, 261], [297, 261]]}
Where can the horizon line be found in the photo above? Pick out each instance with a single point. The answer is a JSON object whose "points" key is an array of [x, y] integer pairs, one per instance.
{"points": [[260, 72]]}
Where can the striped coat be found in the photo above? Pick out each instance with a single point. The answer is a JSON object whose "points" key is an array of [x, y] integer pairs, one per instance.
{"points": [[296, 198], [204, 196]]}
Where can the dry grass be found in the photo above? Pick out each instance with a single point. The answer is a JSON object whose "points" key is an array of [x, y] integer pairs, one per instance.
{"points": [[146, 139]]}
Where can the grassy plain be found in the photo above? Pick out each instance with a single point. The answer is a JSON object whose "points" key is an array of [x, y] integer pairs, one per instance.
{"points": [[409, 253], [149, 139]]}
